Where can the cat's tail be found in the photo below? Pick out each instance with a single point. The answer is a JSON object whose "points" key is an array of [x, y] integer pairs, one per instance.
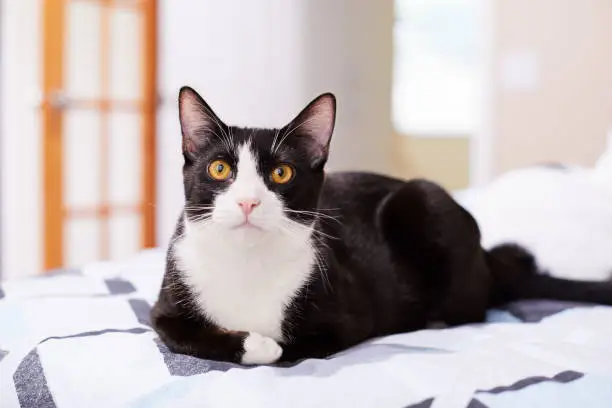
{"points": [[516, 276]]}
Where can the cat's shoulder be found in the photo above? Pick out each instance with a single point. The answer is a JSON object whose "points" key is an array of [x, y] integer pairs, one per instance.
{"points": [[362, 179], [363, 183]]}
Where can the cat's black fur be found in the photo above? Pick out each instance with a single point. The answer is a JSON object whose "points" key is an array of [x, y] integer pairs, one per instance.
{"points": [[399, 255]]}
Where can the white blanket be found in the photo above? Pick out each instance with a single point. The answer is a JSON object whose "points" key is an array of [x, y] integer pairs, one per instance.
{"points": [[81, 339]]}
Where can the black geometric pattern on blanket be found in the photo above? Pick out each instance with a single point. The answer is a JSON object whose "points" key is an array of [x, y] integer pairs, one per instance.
{"points": [[423, 404], [118, 286], [31, 383], [183, 365], [474, 403], [135, 330], [534, 311], [563, 377], [142, 310]]}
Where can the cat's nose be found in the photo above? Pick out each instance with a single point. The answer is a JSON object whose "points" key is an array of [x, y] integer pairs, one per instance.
{"points": [[248, 206]]}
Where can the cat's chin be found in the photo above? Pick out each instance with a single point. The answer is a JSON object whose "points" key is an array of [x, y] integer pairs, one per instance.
{"points": [[247, 230], [248, 235], [247, 226]]}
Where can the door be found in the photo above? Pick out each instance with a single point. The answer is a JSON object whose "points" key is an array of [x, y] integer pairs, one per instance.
{"points": [[99, 109]]}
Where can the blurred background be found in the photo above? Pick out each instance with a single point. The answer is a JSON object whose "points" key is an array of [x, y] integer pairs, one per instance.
{"points": [[458, 91]]}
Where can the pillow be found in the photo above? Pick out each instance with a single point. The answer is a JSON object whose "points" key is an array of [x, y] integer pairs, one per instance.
{"points": [[563, 214]]}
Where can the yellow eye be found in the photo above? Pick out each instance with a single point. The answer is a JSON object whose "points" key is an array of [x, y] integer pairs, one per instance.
{"points": [[219, 170], [282, 174]]}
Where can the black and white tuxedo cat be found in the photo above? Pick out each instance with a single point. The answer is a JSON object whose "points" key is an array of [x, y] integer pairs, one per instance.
{"points": [[273, 259]]}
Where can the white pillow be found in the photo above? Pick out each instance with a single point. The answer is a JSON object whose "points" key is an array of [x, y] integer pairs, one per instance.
{"points": [[563, 216]]}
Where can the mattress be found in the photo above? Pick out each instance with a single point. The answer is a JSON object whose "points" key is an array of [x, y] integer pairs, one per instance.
{"points": [[81, 338]]}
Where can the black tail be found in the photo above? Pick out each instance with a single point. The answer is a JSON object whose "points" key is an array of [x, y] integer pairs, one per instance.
{"points": [[516, 276]]}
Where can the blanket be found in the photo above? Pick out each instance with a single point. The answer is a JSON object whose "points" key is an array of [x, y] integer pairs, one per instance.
{"points": [[81, 338]]}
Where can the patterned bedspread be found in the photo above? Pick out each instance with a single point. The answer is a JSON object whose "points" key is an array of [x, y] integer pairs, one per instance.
{"points": [[81, 338]]}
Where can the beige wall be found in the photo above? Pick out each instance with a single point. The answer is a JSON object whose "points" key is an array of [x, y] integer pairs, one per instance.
{"points": [[347, 48], [565, 116], [443, 160], [560, 110]]}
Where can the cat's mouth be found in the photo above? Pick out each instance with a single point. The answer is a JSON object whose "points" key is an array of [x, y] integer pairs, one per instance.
{"points": [[246, 224]]}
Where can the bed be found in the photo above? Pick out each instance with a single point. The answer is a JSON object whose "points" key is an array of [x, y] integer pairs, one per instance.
{"points": [[81, 338]]}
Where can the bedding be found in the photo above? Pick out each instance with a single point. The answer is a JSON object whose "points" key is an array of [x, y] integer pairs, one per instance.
{"points": [[571, 238], [81, 338]]}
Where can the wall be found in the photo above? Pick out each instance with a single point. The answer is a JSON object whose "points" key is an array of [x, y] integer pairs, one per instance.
{"points": [[559, 107], [261, 64], [348, 49], [443, 160], [20, 138]]}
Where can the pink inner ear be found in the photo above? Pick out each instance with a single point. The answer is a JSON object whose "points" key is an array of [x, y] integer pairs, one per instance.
{"points": [[193, 116], [189, 145], [319, 121], [195, 121]]}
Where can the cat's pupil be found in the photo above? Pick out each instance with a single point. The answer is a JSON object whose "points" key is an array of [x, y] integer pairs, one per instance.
{"points": [[280, 172], [220, 168]]}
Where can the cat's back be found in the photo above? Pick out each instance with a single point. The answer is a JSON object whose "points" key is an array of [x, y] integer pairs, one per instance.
{"points": [[356, 190]]}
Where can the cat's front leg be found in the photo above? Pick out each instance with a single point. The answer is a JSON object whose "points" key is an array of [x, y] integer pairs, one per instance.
{"points": [[199, 338], [259, 349], [317, 346]]}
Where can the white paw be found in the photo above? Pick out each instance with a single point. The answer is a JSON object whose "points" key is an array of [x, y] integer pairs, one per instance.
{"points": [[259, 349]]}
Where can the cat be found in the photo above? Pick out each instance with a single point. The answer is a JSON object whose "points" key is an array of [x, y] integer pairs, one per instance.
{"points": [[274, 260]]}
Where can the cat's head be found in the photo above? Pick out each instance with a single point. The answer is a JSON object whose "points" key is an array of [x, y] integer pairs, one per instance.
{"points": [[252, 180]]}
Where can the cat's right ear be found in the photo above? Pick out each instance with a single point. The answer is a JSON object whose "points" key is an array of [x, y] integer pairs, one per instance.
{"points": [[199, 124]]}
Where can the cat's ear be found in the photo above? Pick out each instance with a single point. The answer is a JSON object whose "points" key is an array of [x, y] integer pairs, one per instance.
{"points": [[314, 125], [199, 124]]}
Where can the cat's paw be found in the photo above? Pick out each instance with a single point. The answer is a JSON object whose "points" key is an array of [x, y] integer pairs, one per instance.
{"points": [[259, 349]]}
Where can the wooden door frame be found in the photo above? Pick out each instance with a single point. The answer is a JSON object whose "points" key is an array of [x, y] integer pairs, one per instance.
{"points": [[54, 213], [150, 94], [52, 125]]}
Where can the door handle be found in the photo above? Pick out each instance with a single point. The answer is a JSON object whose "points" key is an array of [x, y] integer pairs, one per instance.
{"points": [[58, 100]]}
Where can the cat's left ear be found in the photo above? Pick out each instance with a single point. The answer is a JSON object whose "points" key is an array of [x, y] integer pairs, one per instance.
{"points": [[199, 124], [314, 126]]}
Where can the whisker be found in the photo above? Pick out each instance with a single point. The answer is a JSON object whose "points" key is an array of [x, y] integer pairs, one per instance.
{"points": [[223, 141], [320, 241], [323, 234], [227, 141], [290, 131], [315, 214], [231, 136], [200, 216], [322, 271], [175, 239], [313, 230], [274, 140]]}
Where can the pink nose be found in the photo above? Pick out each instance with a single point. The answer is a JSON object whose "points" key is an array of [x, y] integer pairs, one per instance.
{"points": [[248, 206]]}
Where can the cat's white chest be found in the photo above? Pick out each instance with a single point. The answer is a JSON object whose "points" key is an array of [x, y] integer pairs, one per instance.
{"points": [[245, 288]]}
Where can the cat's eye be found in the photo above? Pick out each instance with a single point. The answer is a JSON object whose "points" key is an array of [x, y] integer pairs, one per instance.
{"points": [[282, 174], [219, 170]]}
